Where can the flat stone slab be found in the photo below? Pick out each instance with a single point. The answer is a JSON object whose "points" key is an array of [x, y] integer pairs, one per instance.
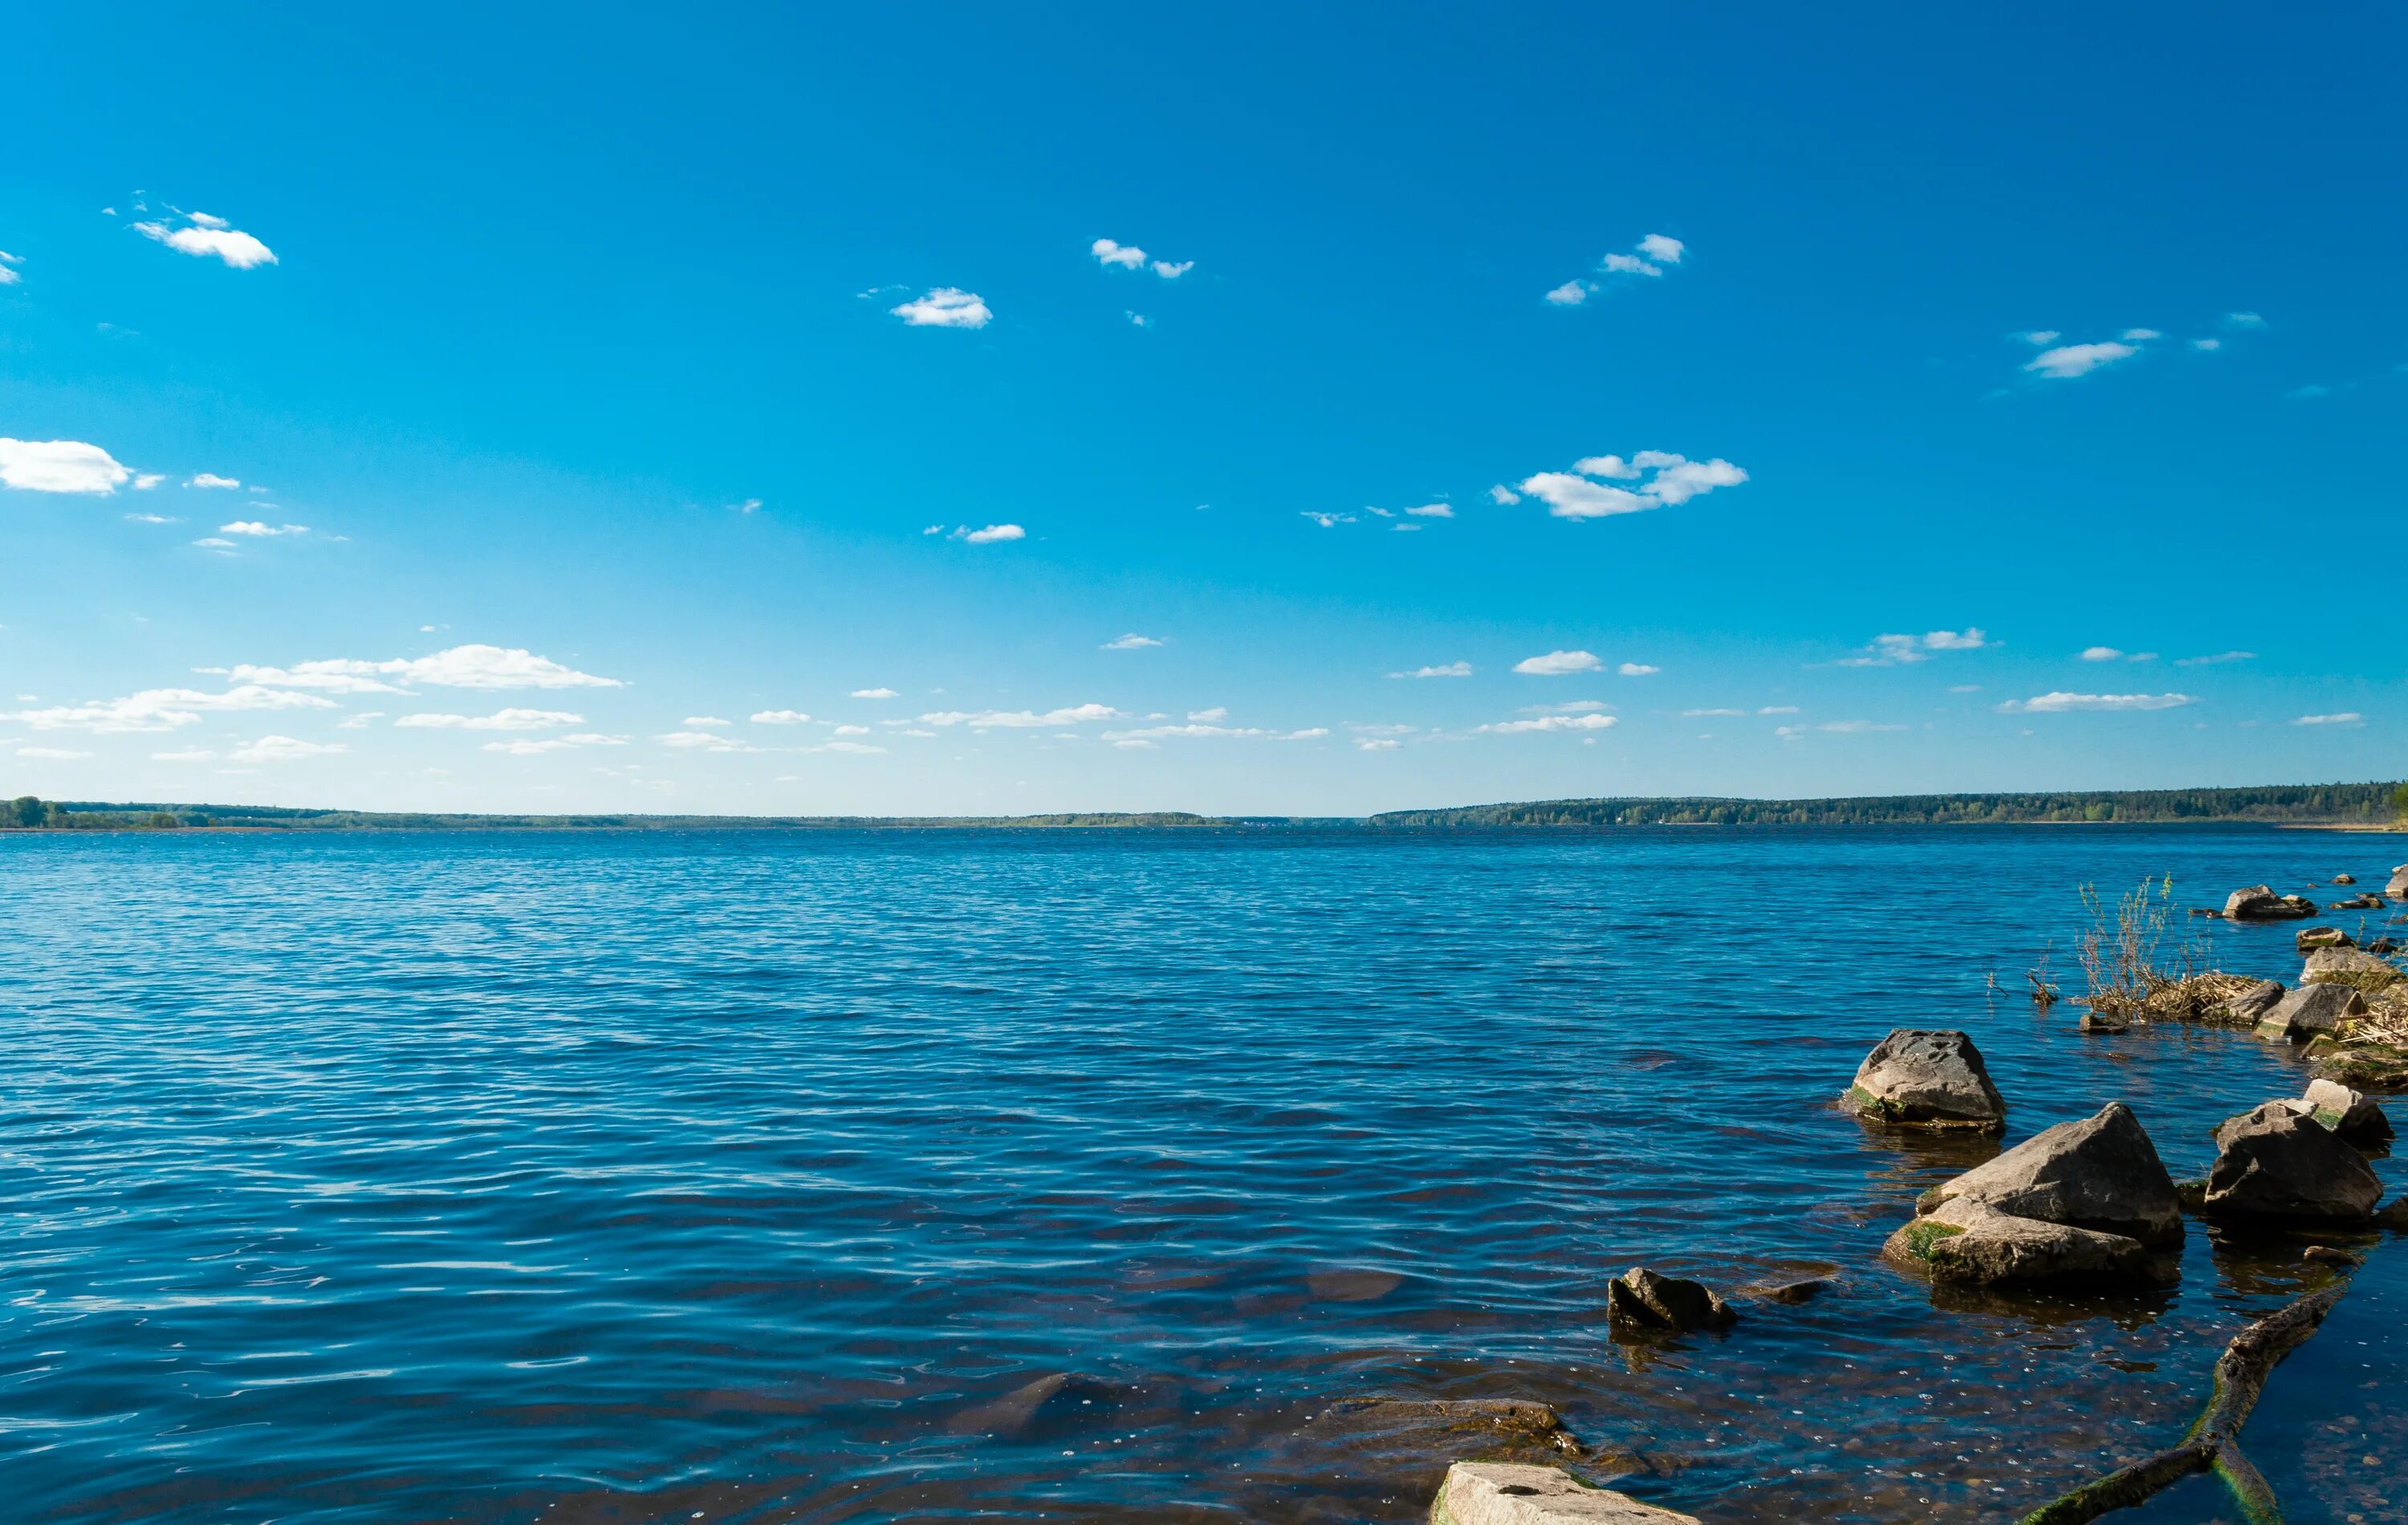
{"points": [[1499, 1493], [1965, 1242]]}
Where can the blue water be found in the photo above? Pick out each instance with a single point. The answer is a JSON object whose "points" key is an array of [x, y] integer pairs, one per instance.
{"points": [[746, 1176]]}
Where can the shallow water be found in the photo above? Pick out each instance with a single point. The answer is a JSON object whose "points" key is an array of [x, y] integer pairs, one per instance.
{"points": [[755, 1177]]}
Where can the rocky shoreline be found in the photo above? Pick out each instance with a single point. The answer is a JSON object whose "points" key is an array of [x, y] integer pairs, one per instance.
{"points": [[2085, 1207]]}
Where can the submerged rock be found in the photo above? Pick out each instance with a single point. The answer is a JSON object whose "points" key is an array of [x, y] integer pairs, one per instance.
{"points": [[1495, 1493], [2100, 1173], [1967, 1241], [1640, 1303], [2308, 1010], [2309, 939], [2353, 1114], [2260, 902], [2250, 1006], [2328, 1255], [2274, 1161], [1515, 1428], [1932, 1079]]}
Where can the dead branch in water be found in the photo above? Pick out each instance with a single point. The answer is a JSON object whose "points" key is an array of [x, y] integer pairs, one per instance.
{"points": [[2240, 1375]]}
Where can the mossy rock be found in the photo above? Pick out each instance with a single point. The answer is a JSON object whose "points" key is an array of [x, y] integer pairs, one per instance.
{"points": [[1918, 1237], [2364, 1067]]}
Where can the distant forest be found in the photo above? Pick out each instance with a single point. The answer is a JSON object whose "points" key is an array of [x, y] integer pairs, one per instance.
{"points": [[2336, 804], [2304, 803]]}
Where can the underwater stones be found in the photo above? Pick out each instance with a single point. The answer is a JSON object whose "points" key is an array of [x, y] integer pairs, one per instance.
{"points": [[1929, 1079], [2099, 1172], [2308, 1010], [1495, 1493], [2260, 902], [2309, 939], [2274, 1161], [1640, 1303], [1965, 1240], [2250, 1006], [1516, 1429]]}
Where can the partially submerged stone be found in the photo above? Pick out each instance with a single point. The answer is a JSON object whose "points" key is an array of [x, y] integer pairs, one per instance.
{"points": [[2309, 939], [2397, 888], [1495, 1493], [1642, 1302], [2259, 902], [2308, 1010], [1503, 1429], [1930, 1079], [2349, 966], [2274, 1161], [2100, 1173], [2248, 1008], [2328, 1255], [2351, 1114], [1965, 1240], [2344, 879]]}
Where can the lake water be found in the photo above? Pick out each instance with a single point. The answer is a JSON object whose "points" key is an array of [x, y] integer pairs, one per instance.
{"points": [[756, 1176]]}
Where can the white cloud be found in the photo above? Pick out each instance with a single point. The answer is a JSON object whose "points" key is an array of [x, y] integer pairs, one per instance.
{"points": [[1218, 711], [1663, 250], [524, 747], [1444, 669], [254, 527], [1022, 719], [162, 709], [991, 534], [1638, 669], [51, 753], [875, 694], [211, 480], [1693, 714], [458, 667], [1130, 642], [702, 722], [1376, 745], [207, 236], [1137, 319], [1571, 495], [144, 481], [1629, 264], [2216, 660], [2207, 344], [1169, 271], [2101, 653], [1557, 663], [1964, 688], [1571, 294], [2243, 320], [1126, 257], [500, 720], [945, 307], [1590, 721], [1248, 733], [1432, 511], [2347, 717], [704, 741], [934, 529], [779, 717], [59, 466], [2139, 336], [359, 722], [151, 519], [852, 730], [1503, 497], [2060, 702], [1778, 709], [2070, 360], [1841, 727], [2041, 337], [1328, 520], [213, 543], [185, 755], [283, 749], [1891, 650], [858, 747], [8, 276]]}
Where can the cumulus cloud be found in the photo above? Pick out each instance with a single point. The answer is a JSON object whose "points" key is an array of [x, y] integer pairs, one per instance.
{"points": [[1022, 719], [2346, 717], [945, 307], [1663, 250], [779, 717], [1669, 480], [991, 534], [1894, 650], [1587, 721], [212, 480], [1376, 745], [209, 237], [1130, 642], [1557, 663], [162, 709], [2208, 345], [2218, 659], [1571, 292], [875, 694], [1443, 670], [2060, 702], [2101, 653], [1638, 669], [59, 466], [1503, 497], [500, 720], [283, 749], [475, 665], [1130, 257]]}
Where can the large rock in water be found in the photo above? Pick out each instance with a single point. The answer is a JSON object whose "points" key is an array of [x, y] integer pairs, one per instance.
{"points": [[2348, 966], [1495, 1493], [2308, 1010], [2100, 1173], [2247, 1009], [2353, 1114], [1967, 1241], [2260, 902], [2275, 1162], [2397, 888], [2309, 939], [1934, 1079]]}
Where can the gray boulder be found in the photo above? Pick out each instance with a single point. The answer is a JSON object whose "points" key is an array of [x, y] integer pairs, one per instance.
{"points": [[2248, 1008], [1640, 1303], [2275, 1162], [2348, 966], [1964, 1240], [2260, 902], [1500, 1493], [2397, 888], [1932, 1079], [2308, 1010], [2352, 1114], [2309, 939], [2100, 1173]]}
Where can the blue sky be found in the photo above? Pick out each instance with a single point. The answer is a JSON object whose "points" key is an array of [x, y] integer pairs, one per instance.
{"points": [[1847, 378]]}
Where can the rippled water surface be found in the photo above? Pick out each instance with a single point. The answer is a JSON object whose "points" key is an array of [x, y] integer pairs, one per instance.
{"points": [[854, 1176]]}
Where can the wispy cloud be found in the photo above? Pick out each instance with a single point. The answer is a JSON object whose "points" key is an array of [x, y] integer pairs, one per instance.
{"points": [[2070, 360], [1559, 663], [1328, 520], [1022, 719], [1130, 642], [990, 535], [1893, 650], [283, 749], [256, 529], [9, 276], [59, 466], [1130, 257], [875, 694], [2110, 653], [212, 481], [2061, 702], [703, 742], [1638, 669], [1654, 255], [780, 717], [1586, 721], [1668, 480], [527, 747], [473, 665], [500, 720], [162, 709], [1197, 730], [205, 236], [2346, 717], [945, 307], [1443, 670], [2218, 659], [1836, 727]]}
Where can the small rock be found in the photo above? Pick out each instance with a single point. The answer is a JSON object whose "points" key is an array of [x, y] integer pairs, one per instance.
{"points": [[1932, 1079], [2324, 1255], [2353, 1114], [2274, 1163], [1494, 1493], [2384, 946], [2357, 902], [1796, 1292], [2093, 1022], [2308, 1010], [2100, 1173], [2260, 902], [1640, 1303], [2248, 1008], [2191, 1194], [2309, 939], [1517, 1429], [2344, 879]]}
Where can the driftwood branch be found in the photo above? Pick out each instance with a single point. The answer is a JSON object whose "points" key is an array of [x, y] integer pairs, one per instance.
{"points": [[2240, 1375]]}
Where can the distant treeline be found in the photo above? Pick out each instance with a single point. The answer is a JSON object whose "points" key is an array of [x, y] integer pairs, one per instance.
{"points": [[27, 813], [2305, 803]]}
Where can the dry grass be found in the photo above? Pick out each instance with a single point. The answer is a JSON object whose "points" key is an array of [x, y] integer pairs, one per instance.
{"points": [[2369, 1051], [2136, 963]]}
